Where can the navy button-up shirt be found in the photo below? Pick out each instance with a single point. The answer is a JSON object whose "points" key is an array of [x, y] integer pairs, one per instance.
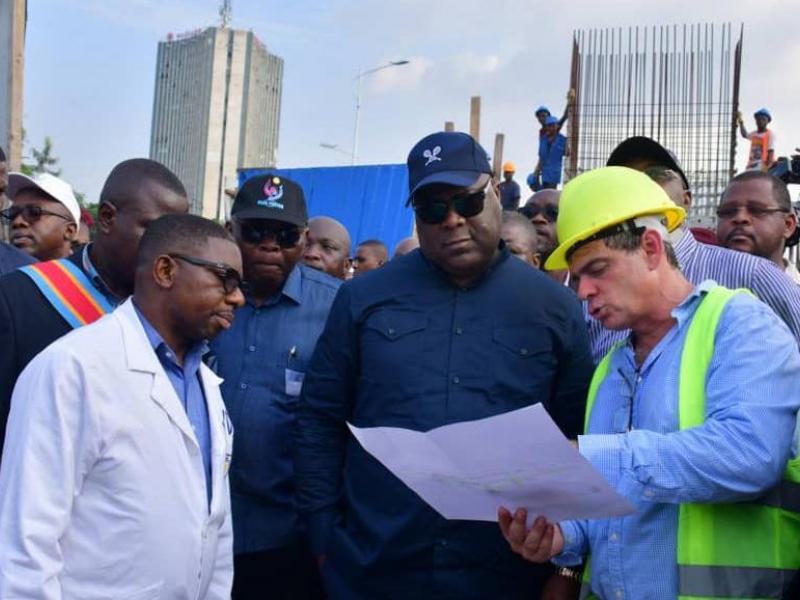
{"points": [[405, 348], [263, 359]]}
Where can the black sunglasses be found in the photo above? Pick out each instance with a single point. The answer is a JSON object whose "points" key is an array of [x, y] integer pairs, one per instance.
{"points": [[255, 233], [435, 211], [30, 212], [548, 211], [230, 278]]}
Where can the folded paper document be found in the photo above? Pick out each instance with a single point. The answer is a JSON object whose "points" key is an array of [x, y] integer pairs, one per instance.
{"points": [[518, 459]]}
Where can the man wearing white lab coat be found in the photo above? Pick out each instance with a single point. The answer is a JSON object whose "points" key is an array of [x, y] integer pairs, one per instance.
{"points": [[104, 489]]}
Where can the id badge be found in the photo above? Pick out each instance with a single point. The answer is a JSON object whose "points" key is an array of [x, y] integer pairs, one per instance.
{"points": [[294, 382]]}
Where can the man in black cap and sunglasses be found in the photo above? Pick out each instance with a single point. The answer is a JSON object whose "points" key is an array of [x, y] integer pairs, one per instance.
{"points": [[263, 360], [456, 331]]}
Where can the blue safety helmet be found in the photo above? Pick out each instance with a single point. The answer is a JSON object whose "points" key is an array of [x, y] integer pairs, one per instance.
{"points": [[551, 120], [532, 180], [543, 109], [763, 112]]}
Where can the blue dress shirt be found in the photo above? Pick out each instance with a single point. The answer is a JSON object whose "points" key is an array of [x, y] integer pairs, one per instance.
{"points": [[404, 347], [730, 268], [739, 453], [185, 380], [263, 360]]}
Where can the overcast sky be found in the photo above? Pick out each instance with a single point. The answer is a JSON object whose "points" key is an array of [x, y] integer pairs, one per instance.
{"points": [[90, 69]]}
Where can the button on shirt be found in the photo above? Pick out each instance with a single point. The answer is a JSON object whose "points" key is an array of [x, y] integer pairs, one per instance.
{"points": [[262, 359], [730, 268], [405, 348], [634, 441], [185, 380]]}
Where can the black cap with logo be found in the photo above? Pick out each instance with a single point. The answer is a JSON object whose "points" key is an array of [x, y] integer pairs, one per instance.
{"points": [[271, 197]]}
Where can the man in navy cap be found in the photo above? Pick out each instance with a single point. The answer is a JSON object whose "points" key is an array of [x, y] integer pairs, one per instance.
{"points": [[456, 331], [263, 360]]}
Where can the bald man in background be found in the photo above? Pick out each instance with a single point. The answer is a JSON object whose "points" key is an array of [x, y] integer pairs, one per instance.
{"points": [[327, 247], [405, 246]]}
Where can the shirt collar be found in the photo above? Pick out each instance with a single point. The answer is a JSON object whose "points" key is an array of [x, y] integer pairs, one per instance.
{"points": [[682, 314], [685, 246], [162, 349], [292, 289], [684, 311], [501, 257], [95, 278]]}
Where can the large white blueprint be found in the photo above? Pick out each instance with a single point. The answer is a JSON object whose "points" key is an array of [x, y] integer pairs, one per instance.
{"points": [[518, 459]]}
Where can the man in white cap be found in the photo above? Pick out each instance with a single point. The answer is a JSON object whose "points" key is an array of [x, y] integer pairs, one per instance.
{"points": [[43, 215]]}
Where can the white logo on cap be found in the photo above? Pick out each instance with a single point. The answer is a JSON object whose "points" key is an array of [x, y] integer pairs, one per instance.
{"points": [[432, 156]]}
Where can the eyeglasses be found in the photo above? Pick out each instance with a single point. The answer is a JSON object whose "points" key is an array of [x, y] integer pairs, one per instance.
{"points": [[230, 278], [30, 212], [433, 211], [754, 210], [548, 211], [255, 233]]}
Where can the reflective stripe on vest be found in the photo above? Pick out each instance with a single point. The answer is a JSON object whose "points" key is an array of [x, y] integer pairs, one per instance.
{"points": [[733, 582], [733, 550]]}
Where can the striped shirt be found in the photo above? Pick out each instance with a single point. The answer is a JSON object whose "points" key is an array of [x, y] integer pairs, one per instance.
{"points": [[730, 268]]}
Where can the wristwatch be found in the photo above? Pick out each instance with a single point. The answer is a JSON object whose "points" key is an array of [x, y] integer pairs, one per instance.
{"points": [[569, 573]]}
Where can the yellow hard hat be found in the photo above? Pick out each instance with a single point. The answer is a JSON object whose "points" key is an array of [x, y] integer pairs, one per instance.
{"points": [[604, 197], [509, 167]]}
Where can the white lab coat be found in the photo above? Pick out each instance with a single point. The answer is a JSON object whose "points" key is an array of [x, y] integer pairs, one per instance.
{"points": [[102, 492]]}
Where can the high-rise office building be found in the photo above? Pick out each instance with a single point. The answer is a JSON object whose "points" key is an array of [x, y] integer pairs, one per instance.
{"points": [[216, 109]]}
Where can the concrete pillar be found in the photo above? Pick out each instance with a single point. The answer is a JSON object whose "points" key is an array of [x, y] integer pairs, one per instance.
{"points": [[12, 45]]}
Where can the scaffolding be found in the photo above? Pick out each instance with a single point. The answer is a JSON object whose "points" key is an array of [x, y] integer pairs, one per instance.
{"points": [[677, 84]]}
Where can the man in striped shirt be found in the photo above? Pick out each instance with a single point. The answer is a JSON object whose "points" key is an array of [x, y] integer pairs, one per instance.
{"points": [[700, 262]]}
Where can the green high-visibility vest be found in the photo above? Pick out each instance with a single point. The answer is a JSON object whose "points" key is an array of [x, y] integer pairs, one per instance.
{"points": [[733, 550]]}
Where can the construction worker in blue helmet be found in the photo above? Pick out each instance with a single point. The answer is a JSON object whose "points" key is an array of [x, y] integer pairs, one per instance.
{"points": [[762, 141], [685, 417], [542, 113]]}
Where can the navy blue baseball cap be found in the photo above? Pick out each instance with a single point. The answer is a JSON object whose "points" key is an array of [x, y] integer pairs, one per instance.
{"points": [[450, 157]]}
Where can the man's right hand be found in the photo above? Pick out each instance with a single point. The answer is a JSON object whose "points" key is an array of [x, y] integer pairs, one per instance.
{"points": [[539, 544]]}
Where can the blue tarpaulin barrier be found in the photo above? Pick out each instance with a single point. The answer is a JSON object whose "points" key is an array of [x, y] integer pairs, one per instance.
{"points": [[369, 200]]}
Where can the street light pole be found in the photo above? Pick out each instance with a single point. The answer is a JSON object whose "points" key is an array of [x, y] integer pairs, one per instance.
{"points": [[359, 77]]}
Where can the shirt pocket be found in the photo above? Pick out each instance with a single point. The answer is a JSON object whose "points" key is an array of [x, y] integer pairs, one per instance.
{"points": [[524, 365], [392, 345], [292, 373]]}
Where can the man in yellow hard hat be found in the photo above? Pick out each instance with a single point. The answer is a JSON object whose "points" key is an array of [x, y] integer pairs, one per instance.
{"points": [[684, 417], [509, 189]]}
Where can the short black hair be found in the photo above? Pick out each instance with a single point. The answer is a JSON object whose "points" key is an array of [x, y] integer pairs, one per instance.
{"points": [[177, 233], [377, 245], [2, 156], [127, 176], [780, 191], [516, 219]]}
